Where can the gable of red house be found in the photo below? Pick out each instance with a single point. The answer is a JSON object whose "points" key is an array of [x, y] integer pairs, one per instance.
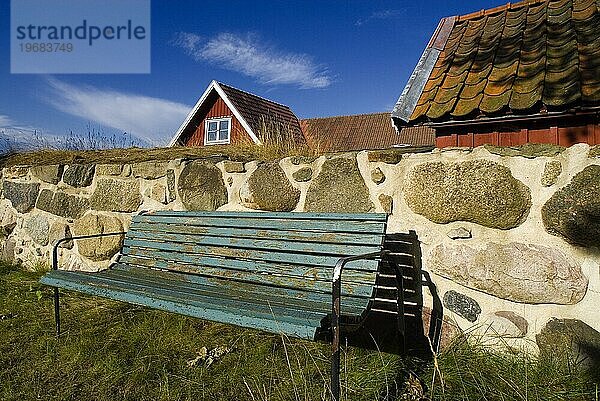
{"points": [[226, 115]]}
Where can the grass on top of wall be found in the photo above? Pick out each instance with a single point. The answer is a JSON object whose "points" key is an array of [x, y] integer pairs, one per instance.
{"points": [[115, 351], [94, 146], [241, 152]]}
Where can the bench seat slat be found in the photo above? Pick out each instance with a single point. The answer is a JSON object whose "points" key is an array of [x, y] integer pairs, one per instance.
{"points": [[259, 221], [180, 290], [182, 227], [247, 292], [276, 321], [246, 254], [259, 244], [355, 282]]}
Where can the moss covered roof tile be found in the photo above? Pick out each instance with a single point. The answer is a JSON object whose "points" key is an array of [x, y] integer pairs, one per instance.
{"points": [[523, 57]]}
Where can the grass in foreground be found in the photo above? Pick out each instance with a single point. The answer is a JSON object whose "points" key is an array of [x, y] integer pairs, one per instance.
{"points": [[115, 351]]}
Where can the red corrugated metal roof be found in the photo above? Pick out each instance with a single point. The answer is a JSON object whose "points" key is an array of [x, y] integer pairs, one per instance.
{"points": [[361, 131]]}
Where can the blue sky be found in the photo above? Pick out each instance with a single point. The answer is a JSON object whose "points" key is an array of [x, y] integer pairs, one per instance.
{"points": [[321, 58]]}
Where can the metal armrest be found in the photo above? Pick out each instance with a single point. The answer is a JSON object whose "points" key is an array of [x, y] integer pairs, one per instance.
{"points": [[60, 241], [335, 315]]}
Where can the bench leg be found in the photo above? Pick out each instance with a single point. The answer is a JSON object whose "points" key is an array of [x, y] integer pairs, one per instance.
{"points": [[57, 311], [335, 346]]}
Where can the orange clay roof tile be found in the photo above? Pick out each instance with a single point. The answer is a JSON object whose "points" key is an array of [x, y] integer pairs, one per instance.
{"points": [[522, 57]]}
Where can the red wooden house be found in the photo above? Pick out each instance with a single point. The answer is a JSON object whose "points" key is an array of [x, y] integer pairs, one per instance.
{"points": [[519, 73], [226, 115]]}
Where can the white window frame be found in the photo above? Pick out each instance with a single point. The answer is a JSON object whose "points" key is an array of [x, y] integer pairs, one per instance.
{"points": [[217, 141]]}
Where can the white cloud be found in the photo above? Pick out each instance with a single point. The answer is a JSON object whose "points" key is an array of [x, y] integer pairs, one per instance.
{"points": [[380, 15], [246, 55], [5, 121], [151, 119]]}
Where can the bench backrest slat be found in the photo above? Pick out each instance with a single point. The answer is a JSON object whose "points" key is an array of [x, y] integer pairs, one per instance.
{"points": [[352, 224], [178, 227], [305, 259], [248, 243], [357, 283]]}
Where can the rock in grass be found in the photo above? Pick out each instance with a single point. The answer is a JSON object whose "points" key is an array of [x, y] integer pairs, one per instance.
{"points": [[570, 340]]}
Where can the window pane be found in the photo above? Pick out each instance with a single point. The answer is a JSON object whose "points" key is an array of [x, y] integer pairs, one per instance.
{"points": [[224, 124], [223, 135], [212, 125], [212, 136]]}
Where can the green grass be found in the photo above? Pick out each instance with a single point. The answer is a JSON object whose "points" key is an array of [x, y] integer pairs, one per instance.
{"points": [[115, 351]]}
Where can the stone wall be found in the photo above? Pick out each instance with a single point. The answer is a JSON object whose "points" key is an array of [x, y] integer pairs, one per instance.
{"points": [[511, 237]]}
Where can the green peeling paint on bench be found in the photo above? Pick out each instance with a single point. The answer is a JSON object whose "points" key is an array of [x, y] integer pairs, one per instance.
{"points": [[286, 223], [304, 258], [270, 271], [209, 311], [309, 275]]}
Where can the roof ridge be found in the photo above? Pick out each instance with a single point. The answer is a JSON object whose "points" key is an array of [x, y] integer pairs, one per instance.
{"points": [[507, 6], [346, 115], [252, 94]]}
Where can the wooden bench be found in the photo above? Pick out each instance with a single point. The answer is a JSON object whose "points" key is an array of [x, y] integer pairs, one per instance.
{"points": [[278, 272]]}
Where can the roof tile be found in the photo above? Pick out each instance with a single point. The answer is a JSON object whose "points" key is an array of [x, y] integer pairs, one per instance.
{"points": [[526, 100], [493, 104], [437, 110], [420, 111], [476, 75], [516, 58], [465, 107], [591, 93], [470, 91], [262, 114]]}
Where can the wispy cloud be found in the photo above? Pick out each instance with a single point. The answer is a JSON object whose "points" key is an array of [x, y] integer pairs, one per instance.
{"points": [[249, 56], [5, 121], [380, 15], [151, 119]]}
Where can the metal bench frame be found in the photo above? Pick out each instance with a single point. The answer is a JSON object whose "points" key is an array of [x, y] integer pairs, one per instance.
{"points": [[435, 326]]}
